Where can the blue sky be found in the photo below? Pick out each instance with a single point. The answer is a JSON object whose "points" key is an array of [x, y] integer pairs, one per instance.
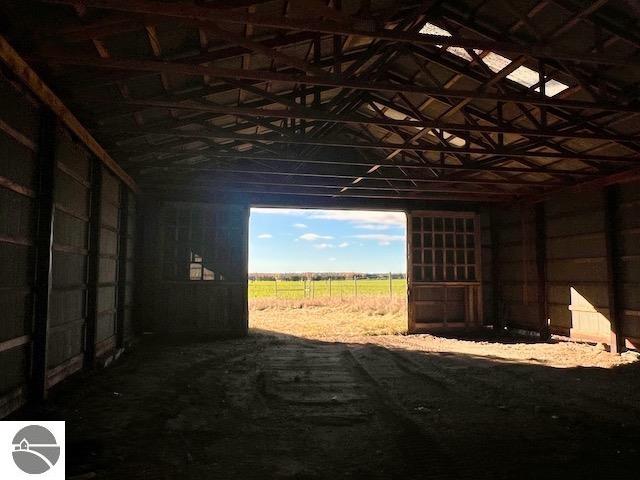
{"points": [[296, 240]]}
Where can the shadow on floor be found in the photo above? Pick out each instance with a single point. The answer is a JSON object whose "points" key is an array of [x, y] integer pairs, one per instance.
{"points": [[277, 406]]}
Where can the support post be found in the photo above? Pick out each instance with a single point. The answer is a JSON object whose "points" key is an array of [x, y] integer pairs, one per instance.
{"points": [[44, 253], [613, 273], [541, 270], [123, 242], [495, 274], [95, 221]]}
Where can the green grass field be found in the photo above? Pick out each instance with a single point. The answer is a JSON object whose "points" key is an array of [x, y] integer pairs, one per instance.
{"points": [[325, 288]]}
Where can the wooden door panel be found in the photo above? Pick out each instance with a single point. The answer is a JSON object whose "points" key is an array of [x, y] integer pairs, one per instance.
{"points": [[443, 269]]}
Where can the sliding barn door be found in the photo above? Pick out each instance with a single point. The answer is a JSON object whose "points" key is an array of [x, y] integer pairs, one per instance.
{"points": [[443, 270]]}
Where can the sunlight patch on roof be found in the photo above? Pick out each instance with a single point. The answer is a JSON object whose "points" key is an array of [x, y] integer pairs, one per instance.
{"points": [[522, 75], [396, 115]]}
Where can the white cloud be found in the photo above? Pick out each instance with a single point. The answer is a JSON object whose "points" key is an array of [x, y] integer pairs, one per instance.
{"points": [[265, 235], [332, 259], [381, 238], [372, 220], [360, 217], [310, 237], [279, 211], [355, 217], [343, 245], [323, 246], [368, 226]]}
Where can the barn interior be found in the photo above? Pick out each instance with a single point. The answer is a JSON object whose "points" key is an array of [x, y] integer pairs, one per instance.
{"points": [[135, 136]]}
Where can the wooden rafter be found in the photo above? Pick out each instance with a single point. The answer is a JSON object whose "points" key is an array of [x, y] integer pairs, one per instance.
{"points": [[348, 106], [349, 28], [326, 81]]}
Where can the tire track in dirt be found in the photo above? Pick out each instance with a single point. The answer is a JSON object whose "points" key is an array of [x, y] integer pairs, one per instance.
{"points": [[424, 453]]}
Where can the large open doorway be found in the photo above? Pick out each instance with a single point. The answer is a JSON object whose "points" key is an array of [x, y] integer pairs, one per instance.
{"points": [[326, 273]]}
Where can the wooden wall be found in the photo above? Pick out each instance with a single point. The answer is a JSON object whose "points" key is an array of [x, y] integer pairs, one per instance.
{"points": [[171, 300], [628, 266], [126, 287], [515, 280], [577, 266], [19, 124], [59, 287], [109, 233], [487, 262], [68, 298], [589, 262]]}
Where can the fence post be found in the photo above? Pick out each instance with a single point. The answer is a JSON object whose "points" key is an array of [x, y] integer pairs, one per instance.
{"points": [[355, 285], [329, 287], [276, 282], [390, 287]]}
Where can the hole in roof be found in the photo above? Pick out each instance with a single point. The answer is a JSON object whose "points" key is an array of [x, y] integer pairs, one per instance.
{"points": [[522, 75]]}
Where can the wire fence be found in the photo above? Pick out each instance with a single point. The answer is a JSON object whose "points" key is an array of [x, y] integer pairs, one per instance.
{"points": [[328, 288]]}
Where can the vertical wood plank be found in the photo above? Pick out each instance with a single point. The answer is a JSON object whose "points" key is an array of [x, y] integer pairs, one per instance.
{"points": [[495, 272], [245, 272], [541, 270], [613, 273], [410, 306], [478, 319], [93, 265], [44, 255], [123, 237]]}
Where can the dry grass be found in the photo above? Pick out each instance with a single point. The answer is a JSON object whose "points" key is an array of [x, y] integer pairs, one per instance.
{"points": [[328, 317]]}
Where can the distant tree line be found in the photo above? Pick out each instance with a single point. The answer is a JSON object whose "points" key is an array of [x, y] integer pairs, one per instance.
{"points": [[321, 276]]}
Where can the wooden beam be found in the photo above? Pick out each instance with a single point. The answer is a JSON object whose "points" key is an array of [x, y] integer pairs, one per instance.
{"points": [[44, 253], [93, 266], [212, 133], [569, 117], [261, 49], [318, 80], [242, 179], [23, 71], [14, 343], [293, 190], [297, 172], [123, 241], [496, 277], [210, 156], [541, 270], [348, 27], [355, 119], [617, 178], [610, 195]]}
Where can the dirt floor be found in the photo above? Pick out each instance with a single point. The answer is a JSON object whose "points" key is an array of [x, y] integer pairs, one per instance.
{"points": [[377, 407]]}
